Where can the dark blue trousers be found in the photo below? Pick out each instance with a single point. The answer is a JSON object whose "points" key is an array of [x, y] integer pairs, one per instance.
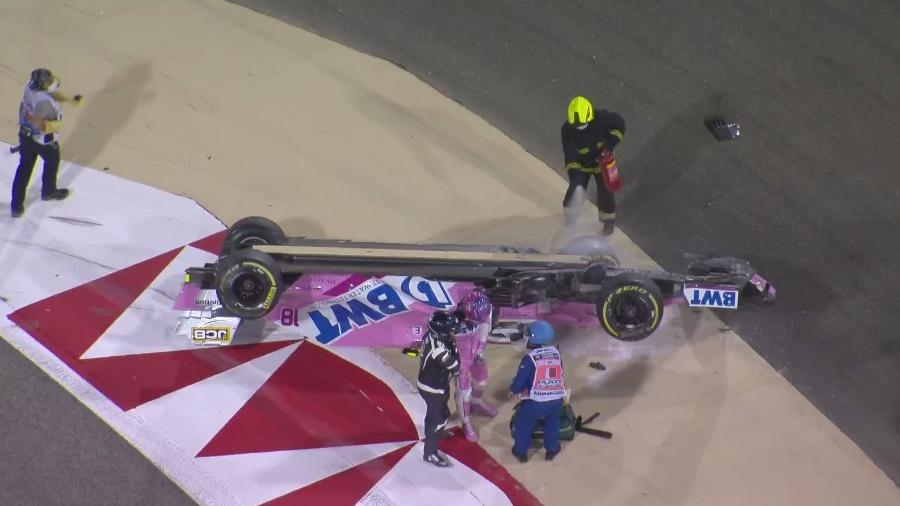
{"points": [[530, 413]]}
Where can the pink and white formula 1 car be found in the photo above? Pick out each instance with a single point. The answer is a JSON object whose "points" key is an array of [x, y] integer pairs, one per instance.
{"points": [[346, 293]]}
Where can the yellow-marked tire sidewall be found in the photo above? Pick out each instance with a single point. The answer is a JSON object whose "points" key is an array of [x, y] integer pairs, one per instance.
{"points": [[273, 285], [606, 307], [259, 267]]}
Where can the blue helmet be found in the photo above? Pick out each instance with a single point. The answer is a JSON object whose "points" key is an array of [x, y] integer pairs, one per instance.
{"points": [[540, 333]]}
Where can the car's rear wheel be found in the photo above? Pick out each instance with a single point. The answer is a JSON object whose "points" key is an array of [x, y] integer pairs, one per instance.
{"points": [[630, 307], [592, 246], [251, 231]]}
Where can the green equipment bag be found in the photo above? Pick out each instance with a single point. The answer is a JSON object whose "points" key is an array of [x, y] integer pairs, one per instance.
{"points": [[566, 423]]}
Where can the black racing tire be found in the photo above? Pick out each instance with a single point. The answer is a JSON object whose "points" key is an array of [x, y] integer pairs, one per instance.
{"points": [[248, 283], [630, 307], [250, 231]]}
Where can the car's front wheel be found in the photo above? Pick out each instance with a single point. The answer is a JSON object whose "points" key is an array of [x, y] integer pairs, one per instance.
{"points": [[248, 283], [630, 307]]}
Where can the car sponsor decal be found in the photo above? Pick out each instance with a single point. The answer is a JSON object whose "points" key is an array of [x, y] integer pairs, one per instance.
{"points": [[211, 335], [373, 301], [722, 297]]}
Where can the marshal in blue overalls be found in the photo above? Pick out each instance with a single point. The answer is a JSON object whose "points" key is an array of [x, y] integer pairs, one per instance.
{"points": [[539, 382]]}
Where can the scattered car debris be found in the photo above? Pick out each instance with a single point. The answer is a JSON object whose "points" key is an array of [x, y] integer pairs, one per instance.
{"points": [[722, 130], [75, 221], [597, 365]]}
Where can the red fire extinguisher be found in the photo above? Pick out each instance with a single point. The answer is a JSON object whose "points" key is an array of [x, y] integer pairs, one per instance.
{"points": [[610, 170]]}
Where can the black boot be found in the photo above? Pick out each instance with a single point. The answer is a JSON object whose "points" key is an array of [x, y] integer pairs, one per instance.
{"points": [[437, 460], [608, 226], [58, 194]]}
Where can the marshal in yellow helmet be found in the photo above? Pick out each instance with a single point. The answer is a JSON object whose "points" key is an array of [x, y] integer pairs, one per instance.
{"points": [[580, 111], [586, 134]]}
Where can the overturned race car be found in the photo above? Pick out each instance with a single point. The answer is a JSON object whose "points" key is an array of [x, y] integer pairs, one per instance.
{"points": [[341, 292]]}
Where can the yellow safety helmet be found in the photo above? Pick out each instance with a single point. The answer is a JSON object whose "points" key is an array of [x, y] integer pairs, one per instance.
{"points": [[580, 111]]}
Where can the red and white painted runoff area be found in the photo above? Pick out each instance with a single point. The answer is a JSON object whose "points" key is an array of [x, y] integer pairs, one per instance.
{"points": [[87, 293]]}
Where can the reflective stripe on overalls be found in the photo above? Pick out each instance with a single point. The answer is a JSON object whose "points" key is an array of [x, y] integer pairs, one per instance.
{"points": [[548, 384]]}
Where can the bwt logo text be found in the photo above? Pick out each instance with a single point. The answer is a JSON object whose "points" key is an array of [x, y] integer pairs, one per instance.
{"points": [[711, 297], [375, 304], [424, 290], [379, 303]]}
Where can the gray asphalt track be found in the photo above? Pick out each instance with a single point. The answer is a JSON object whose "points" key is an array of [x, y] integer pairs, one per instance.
{"points": [[55, 451], [808, 193]]}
